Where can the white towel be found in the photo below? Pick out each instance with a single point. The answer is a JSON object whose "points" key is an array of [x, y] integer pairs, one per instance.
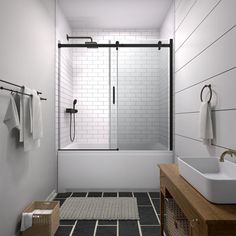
{"points": [[11, 118], [29, 142], [206, 130], [26, 221], [42, 212], [37, 123]]}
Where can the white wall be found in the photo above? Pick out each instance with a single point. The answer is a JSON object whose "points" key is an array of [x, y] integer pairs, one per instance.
{"points": [[205, 54], [27, 58], [64, 80]]}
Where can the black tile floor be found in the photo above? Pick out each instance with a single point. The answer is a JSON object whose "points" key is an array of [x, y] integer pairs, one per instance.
{"points": [[148, 225]]}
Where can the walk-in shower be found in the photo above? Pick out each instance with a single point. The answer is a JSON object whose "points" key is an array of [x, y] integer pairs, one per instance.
{"points": [[123, 92]]}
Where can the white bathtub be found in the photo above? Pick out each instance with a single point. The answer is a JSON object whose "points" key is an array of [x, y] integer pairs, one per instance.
{"points": [[110, 170]]}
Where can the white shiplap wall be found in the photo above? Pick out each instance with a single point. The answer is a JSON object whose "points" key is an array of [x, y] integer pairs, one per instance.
{"points": [[205, 53]]}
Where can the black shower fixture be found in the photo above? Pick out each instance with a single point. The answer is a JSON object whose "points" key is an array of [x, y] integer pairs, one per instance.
{"points": [[72, 110], [89, 44]]}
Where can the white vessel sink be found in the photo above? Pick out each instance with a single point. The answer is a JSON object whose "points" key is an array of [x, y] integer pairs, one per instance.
{"points": [[215, 180]]}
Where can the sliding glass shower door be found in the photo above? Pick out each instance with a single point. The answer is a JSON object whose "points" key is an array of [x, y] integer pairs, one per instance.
{"points": [[143, 99], [122, 98]]}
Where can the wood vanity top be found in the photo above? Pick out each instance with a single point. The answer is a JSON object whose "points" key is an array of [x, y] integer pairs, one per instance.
{"points": [[209, 212]]}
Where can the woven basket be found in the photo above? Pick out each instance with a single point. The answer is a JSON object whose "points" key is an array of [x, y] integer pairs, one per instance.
{"points": [[43, 225], [176, 222]]}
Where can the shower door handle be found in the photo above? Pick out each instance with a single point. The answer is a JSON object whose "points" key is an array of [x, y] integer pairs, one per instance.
{"points": [[114, 95]]}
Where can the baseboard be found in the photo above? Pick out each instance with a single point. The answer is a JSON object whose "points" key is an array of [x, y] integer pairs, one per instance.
{"points": [[113, 190], [52, 195]]}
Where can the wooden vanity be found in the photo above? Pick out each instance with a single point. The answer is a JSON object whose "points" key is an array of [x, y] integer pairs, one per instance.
{"points": [[205, 218]]}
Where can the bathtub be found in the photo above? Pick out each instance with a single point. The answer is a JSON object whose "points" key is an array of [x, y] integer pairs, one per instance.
{"points": [[123, 170]]}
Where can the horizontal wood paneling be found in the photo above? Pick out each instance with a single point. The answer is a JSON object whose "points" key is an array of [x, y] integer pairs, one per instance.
{"points": [[205, 54], [218, 58], [198, 14], [224, 95], [182, 11], [200, 39], [192, 148], [223, 122]]}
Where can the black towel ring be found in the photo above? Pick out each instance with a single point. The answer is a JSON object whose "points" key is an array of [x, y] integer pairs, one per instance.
{"points": [[206, 86]]}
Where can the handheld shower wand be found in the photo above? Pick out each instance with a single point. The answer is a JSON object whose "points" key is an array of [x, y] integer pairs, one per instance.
{"points": [[74, 103], [72, 116]]}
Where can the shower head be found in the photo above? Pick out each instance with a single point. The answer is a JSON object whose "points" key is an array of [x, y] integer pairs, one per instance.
{"points": [[91, 44]]}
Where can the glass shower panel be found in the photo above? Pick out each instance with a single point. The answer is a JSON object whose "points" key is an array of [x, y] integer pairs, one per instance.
{"points": [[142, 99], [91, 85]]}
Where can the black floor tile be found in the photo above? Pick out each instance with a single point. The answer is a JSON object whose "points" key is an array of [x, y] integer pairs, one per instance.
{"points": [[128, 228], [63, 195], [156, 203], [63, 231], [84, 228], [107, 222], [79, 194], [61, 200], [125, 194], [154, 194], [67, 222], [109, 194], [95, 194], [106, 231], [142, 199], [150, 230], [147, 216]]}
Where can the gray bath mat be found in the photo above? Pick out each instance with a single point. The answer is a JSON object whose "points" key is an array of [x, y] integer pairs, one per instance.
{"points": [[97, 208]]}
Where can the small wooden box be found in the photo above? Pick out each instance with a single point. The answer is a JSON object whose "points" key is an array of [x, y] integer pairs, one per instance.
{"points": [[43, 225]]}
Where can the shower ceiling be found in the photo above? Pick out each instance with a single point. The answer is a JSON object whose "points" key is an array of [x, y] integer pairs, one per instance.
{"points": [[115, 14]]}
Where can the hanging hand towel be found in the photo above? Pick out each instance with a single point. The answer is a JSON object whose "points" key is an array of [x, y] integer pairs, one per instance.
{"points": [[11, 118], [37, 123], [206, 130], [26, 221], [29, 142]]}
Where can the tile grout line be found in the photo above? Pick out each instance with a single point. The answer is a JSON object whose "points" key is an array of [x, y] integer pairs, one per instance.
{"points": [[150, 225], [95, 228], [117, 223], [117, 228], [139, 226], [73, 228], [154, 208]]}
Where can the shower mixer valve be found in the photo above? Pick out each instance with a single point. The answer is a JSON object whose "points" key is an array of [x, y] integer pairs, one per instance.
{"points": [[72, 110]]}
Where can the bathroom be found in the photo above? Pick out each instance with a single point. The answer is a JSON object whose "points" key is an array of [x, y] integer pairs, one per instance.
{"points": [[122, 87]]}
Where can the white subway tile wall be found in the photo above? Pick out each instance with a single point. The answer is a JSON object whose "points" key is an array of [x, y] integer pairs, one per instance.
{"points": [[139, 94]]}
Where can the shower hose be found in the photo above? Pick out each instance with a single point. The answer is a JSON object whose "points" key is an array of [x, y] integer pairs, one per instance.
{"points": [[72, 137]]}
